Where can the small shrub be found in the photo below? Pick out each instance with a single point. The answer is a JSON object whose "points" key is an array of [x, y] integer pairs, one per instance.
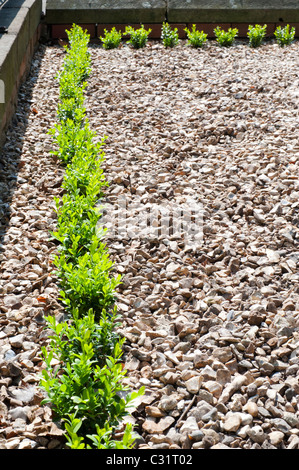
{"points": [[103, 439], [78, 39], [169, 36], [284, 36], [84, 386], [85, 391], [225, 38], [256, 34], [76, 228], [77, 60], [112, 39], [86, 178], [67, 109], [69, 337], [71, 137], [138, 37], [196, 38], [88, 284]]}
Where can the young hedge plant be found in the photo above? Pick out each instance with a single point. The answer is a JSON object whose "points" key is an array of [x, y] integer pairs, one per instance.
{"points": [[138, 37], [87, 391], [169, 36], [284, 36], [111, 39], [225, 38], [85, 387], [195, 38], [256, 34]]}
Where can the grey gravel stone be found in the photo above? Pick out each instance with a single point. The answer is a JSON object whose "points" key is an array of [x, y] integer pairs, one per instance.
{"points": [[257, 434]]}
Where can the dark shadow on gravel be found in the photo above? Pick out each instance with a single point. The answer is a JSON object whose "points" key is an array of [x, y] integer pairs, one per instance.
{"points": [[12, 148]]}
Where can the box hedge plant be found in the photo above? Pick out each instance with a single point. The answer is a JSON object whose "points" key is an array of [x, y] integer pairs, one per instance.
{"points": [[85, 387]]}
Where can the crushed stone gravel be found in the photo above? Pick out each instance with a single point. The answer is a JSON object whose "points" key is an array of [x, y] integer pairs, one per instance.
{"points": [[211, 323]]}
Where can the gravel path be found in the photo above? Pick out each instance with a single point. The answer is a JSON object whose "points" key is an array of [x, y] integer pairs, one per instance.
{"points": [[29, 179], [211, 327]]}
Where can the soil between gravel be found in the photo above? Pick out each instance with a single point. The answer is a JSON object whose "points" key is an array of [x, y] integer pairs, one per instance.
{"points": [[211, 327]]}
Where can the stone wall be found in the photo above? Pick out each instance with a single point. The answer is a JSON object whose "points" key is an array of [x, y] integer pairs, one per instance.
{"points": [[20, 31], [96, 15]]}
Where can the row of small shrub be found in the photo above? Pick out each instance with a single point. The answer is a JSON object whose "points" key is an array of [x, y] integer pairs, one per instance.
{"points": [[170, 36], [83, 372]]}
